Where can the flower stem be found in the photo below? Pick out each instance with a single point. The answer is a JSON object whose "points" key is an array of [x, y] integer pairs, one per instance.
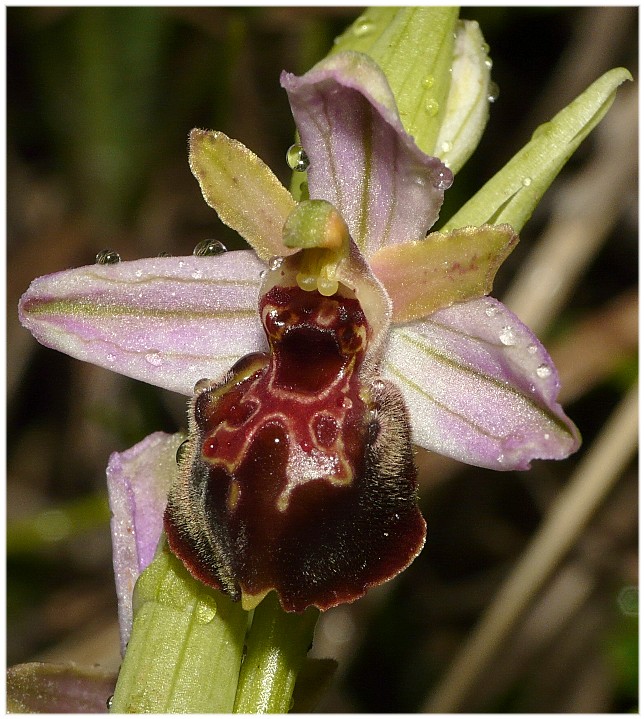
{"points": [[185, 649], [276, 646]]}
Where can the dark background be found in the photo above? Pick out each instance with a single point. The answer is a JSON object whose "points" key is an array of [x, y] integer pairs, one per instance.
{"points": [[100, 102]]}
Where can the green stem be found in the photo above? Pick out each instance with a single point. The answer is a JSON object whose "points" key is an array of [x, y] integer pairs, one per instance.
{"points": [[276, 646], [185, 649]]}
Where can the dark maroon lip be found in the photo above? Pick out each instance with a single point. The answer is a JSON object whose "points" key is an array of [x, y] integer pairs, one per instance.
{"points": [[300, 476]]}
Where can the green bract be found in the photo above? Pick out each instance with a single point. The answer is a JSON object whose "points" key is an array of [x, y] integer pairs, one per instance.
{"points": [[513, 193]]}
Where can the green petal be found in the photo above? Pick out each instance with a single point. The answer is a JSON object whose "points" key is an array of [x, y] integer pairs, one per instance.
{"points": [[242, 189], [414, 47], [425, 276], [513, 193]]}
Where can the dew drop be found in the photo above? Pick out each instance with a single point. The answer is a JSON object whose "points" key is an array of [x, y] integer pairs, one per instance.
{"points": [[546, 435], [431, 107], [446, 146], [488, 63], [378, 385], [428, 82], [196, 275], [532, 349], [164, 254], [492, 310], [263, 274], [543, 129], [154, 358], [201, 384], [363, 29], [507, 336], [110, 357], [138, 273], [209, 248], [492, 91], [275, 263], [345, 403], [297, 159], [109, 702], [485, 48], [543, 371], [107, 257], [501, 458], [527, 181], [206, 608], [181, 451], [443, 179]]}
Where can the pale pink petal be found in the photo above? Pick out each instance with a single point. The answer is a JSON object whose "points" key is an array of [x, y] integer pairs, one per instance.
{"points": [[361, 159], [480, 387], [138, 482], [169, 321]]}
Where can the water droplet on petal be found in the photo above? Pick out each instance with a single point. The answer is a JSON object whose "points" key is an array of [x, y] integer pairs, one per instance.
{"points": [[110, 701], [110, 357], [164, 254], [209, 248], [363, 29], [546, 435], [428, 82], [196, 275], [527, 181], [492, 91], [107, 257], [263, 274], [507, 336], [201, 384], [443, 179], [297, 159], [532, 349], [446, 146], [275, 263], [431, 107], [543, 371], [501, 458], [154, 358], [488, 63], [492, 310]]}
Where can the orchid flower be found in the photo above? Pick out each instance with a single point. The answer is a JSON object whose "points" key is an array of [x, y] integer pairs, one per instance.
{"points": [[314, 361]]}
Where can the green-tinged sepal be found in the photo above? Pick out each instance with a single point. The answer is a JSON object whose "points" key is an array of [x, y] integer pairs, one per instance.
{"points": [[185, 650], [513, 193], [438, 70], [467, 106]]}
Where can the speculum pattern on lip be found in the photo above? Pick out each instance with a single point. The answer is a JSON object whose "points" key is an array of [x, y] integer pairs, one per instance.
{"points": [[300, 476]]}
